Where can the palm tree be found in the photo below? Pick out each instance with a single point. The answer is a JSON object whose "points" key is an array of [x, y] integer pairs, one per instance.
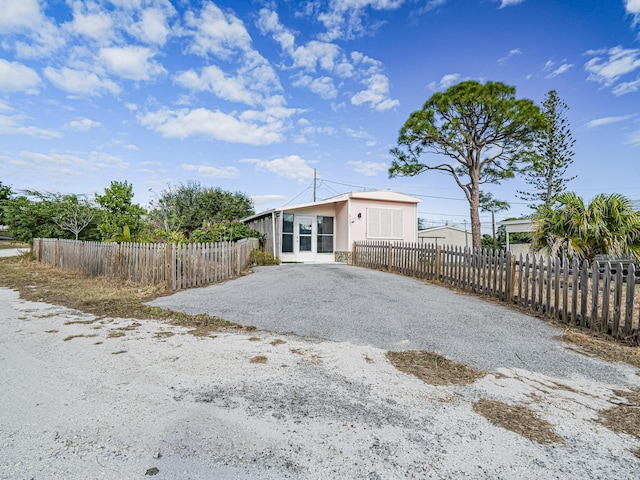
{"points": [[608, 225]]}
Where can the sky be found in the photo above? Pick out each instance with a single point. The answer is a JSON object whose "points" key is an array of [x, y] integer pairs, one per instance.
{"points": [[253, 96]]}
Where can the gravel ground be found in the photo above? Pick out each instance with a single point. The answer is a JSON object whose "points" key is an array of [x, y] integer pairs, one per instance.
{"points": [[367, 307], [89, 398]]}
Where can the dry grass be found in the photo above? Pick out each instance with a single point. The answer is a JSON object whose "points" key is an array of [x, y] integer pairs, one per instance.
{"points": [[258, 359], [100, 296], [624, 418], [254, 339], [277, 341], [434, 369], [71, 337], [118, 352], [601, 346], [521, 420], [115, 334]]}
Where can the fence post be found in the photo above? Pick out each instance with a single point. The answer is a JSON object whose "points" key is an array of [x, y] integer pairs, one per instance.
{"points": [[438, 263], [354, 258], [512, 278], [236, 259], [169, 255], [390, 256]]}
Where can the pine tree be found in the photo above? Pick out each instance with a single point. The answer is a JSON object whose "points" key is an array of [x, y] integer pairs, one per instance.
{"points": [[551, 157]]}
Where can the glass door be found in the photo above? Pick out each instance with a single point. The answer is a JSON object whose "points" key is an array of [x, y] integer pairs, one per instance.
{"points": [[304, 240]]}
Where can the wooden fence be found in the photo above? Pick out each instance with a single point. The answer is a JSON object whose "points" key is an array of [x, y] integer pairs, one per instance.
{"points": [[604, 296], [176, 266]]}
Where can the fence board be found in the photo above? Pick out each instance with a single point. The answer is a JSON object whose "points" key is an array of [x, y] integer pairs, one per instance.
{"points": [[176, 266], [588, 296]]}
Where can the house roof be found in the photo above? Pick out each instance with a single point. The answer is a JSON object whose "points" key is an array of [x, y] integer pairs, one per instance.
{"points": [[378, 195], [518, 226], [443, 227]]}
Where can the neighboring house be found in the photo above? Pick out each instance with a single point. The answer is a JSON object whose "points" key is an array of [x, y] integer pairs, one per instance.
{"points": [[518, 226], [445, 235], [325, 231]]}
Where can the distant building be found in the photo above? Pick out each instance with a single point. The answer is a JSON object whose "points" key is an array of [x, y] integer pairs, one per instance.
{"points": [[518, 226], [445, 236]]}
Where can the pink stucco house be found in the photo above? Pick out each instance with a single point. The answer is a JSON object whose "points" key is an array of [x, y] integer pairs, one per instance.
{"points": [[325, 231]]}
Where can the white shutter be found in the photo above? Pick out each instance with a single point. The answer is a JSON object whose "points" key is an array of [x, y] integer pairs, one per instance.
{"points": [[384, 223]]}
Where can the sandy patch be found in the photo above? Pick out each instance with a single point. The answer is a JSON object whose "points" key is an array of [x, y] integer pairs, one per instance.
{"points": [[159, 399]]}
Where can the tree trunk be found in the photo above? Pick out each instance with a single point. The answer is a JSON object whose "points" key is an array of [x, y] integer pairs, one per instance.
{"points": [[474, 207]]}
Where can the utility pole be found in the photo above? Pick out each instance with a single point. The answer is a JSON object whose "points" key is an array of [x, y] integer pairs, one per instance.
{"points": [[314, 185]]}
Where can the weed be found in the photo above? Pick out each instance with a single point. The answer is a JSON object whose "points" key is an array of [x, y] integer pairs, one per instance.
{"points": [[519, 419], [260, 258], [258, 359], [434, 369], [277, 341]]}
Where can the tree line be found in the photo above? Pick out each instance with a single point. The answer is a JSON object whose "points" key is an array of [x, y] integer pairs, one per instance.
{"points": [[482, 134], [187, 212]]}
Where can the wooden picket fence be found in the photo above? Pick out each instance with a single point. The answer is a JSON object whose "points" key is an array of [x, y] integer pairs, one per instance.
{"points": [[176, 266], [603, 296]]}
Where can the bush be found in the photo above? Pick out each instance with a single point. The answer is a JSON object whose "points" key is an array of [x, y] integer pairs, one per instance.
{"points": [[224, 231], [261, 258]]}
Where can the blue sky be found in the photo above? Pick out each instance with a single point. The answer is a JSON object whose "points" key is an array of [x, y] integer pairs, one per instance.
{"points": [[251, 96]]}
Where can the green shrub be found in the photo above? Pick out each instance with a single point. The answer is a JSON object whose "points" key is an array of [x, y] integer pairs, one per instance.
{"points": [[260, 258]]}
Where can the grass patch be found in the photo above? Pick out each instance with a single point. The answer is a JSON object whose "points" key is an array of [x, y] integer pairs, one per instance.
{"points": [[434, 369], [258, 359], [277, 341], [521, 420], [13, 244], [601, 346], [115, 334], [254, 339], [624, 418], [100, 296]]}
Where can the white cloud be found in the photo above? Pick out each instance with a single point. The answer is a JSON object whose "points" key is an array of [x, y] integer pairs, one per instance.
{"points": [[322, 86], [92, 21], [16, 77], [214, 80], [71, 162], [217, 33], [507, 3], [597, 122], [344, 18], [633, 8], [12, 125], [512, 53], [445, 82], [376, 94], [560, 70], [617, 61], [185, 123], [633, 139], [626, 87], [432, 4], [152, 27], [131, 62], [369, 169], [292, 167], [19, 15], [82, 125], [80, 82], [211, 171]]}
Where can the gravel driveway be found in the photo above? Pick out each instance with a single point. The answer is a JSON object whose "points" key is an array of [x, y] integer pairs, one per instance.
{"points": [[367, 307]]}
